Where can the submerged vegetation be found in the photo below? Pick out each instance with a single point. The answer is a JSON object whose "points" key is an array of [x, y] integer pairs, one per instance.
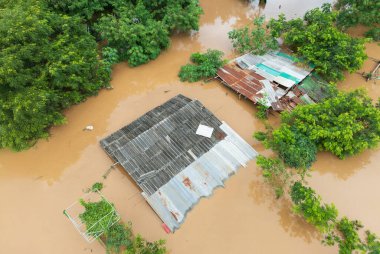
{"points": [[203, 66], [50, 54], [101, 221]]}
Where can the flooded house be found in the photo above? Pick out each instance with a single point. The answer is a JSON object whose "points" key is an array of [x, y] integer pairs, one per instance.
{"points": [[274, 80], [177, 153]]}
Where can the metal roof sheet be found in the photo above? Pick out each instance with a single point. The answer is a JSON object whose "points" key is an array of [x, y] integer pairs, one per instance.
{"points": [[177, 197], [171, 163]]}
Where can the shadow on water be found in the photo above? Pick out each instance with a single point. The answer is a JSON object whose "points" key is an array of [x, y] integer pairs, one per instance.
{"points": [[291, 223], [327, 163]]}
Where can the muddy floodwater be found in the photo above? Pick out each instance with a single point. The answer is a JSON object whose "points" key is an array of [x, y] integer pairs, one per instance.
{"points": [[36, 185]]}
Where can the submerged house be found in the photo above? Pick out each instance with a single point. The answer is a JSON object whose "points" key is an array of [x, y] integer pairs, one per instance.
{"points": [[272, 79], [177, 153]]}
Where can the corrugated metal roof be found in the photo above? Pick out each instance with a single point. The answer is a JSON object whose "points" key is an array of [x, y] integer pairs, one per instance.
{"points": [[173, 200], [163, 154], [246, 74]]}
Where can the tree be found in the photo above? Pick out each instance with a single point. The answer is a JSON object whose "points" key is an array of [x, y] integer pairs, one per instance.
{"points": [[295, 148], [256, 39], [354, 12], [134, 33], [203, 66], [317, 39], [309, 205], [344, 125], [48, 62]]}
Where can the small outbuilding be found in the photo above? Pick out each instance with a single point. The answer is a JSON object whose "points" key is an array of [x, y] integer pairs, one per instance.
{"points": [[177, 153], [271, 80]]}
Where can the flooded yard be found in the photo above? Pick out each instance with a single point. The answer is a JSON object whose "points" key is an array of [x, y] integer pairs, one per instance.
{"points": [[38, 184]]}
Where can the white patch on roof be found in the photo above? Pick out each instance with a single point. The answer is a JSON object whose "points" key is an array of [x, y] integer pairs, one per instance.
{"points": [[284, 81], [205, 131], [175, 199]]}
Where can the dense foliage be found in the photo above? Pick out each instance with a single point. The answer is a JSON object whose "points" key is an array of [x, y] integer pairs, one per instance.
{"points": [[255, 38], [97, 187], [132, 30], [117, 237], [50, 58], [274, 173], [203, 66], [48, 62], [309, 205], [100, 220], [294, 147], [353, 12], [97, 216], [316, 38], [344, 125]]}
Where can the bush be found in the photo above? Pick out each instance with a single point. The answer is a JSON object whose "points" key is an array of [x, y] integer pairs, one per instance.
{"points": [[274, 173], [262, 112], [117, 237], [308, 204], [97, 216], [295, 148], [97, 187], [203, 66], [141, 246]]}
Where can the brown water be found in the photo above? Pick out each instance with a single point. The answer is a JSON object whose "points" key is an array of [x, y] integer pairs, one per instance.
{"points": [[36, 185]]}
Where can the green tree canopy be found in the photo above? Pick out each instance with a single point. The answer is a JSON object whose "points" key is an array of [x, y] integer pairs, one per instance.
{"points": [[48, 62], [294, 147], [344, 125], [254, 38], [353, 12], [134, 33], [316, 38], [309, 205], [203, 66]]}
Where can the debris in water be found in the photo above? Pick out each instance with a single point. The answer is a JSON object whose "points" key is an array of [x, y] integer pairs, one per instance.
{"points": [[89, 128]]}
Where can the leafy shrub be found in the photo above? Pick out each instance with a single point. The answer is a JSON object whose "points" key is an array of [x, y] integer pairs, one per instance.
{"points": [[118, 237], [97, 187], [141, 246], [274, 173], [97, 216], [351, 240], [262, 112], [295, 148], [256, 39], [308, 204], [203, 66]]}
